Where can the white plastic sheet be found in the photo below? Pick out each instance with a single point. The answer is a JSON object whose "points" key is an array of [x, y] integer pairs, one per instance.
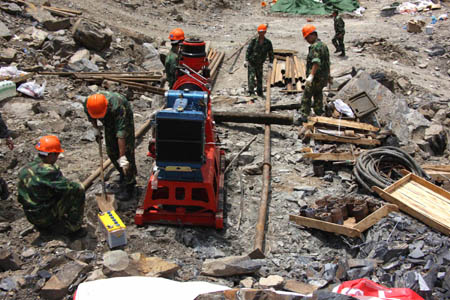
{"points": [[32, 89], [343, 108]]}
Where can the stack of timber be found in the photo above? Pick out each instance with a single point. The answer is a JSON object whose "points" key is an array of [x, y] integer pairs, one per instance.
{"points": [[288, 71], [148, 81], [215, 58], [341, 131]]}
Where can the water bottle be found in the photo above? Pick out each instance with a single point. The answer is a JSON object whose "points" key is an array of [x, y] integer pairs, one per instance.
{"points": [[7, 89]]}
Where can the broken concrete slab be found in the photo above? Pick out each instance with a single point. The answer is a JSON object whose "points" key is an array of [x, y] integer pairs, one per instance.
{"points": [[79, 55], [4, 31], [11, 8], [299, 287], [116, 260], [247, 282], [39, 14], [436, 136], [392, 110], [8, 55], [57, 286], [156, 267], [232, 265], [272, 281], [91, 35], [9, 260], [55, 25]]}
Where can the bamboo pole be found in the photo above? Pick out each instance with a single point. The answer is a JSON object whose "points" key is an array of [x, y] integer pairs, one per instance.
{"points": [[262, 215]]}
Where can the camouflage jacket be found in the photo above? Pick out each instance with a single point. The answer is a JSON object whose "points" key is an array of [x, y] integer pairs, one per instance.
{"points": [[257, 54], [41, 185], [318, 53], [4, 132], [118, 121], [171, 67], [339, 25]]}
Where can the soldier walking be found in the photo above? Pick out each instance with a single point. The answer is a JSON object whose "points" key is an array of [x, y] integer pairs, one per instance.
{"points": [[4, 134], [257, 52], [317, 72], [50, 201], [114, 112], [339, 29]]}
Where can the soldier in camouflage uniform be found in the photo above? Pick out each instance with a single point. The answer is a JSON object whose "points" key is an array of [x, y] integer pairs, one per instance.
{"points": [[176, 37], [339, 29], [50, 201], [4, 134], [257, 52], [317, 72], [117, 118]]}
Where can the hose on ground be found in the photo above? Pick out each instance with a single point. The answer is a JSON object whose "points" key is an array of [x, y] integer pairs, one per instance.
{"points": [[379, 167]]}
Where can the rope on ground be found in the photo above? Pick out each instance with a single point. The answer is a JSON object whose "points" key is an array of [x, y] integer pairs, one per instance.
{"points": [[379, 167]]}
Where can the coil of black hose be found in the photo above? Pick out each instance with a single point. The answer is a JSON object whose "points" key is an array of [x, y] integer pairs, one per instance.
{"points": [[367, 173]]}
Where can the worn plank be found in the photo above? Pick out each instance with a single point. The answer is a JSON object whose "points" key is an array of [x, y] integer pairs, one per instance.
{"points": [[326, 137], [344, 123], [416, 205], [330, 156], [374, 217], [325, 226]]}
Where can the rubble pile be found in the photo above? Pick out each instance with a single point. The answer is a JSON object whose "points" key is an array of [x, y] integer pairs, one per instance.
{"points": [[413, 115]]}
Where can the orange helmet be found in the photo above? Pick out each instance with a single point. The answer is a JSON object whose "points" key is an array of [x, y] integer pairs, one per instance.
{"points": [[97, 105], [49, 144], [308, 29], [176, 35], [262, 28]]}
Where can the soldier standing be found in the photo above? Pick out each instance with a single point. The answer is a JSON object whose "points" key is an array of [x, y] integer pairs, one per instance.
{"points": [[339, 29], [317, 72], [4, 134], [257, 52], [176, 37], [114, 112], [51, 201]]}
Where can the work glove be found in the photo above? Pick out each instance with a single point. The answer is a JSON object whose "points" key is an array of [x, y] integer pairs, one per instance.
{"points": [[98, 135], [309, 80], [245, 64], [124, 164]]}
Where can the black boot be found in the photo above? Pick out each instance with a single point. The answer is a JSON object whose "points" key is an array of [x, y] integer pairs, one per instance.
{"points": [[337, 50], [4, 193], [342, 54]]}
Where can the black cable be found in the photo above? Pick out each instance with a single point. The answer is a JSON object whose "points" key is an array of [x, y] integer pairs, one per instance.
{"points": [[369, 165]]}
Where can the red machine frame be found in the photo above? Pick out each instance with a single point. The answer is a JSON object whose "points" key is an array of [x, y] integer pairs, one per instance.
{"points": [[186, 202]]}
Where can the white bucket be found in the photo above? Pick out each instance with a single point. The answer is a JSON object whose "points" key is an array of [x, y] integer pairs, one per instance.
{"points": [[429, 29]]}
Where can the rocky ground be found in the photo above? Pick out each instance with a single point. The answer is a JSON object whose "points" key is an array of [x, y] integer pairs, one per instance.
{"points": [[394, 252]]}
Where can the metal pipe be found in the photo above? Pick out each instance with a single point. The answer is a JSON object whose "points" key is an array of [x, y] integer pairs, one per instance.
{"points": [[262, 216]]}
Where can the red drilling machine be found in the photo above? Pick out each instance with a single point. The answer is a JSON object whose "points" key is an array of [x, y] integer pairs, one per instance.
{"points": [[186, 183]]}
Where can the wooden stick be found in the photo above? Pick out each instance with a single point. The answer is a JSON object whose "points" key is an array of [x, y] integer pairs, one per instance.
{"points": [[66, 10], [239, 153]]}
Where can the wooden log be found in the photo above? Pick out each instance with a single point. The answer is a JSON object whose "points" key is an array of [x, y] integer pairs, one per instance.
{"points": [[279, 75], [66, 10], [287, 72], [285, 106], [58, 12], [272, 77], [254, 118], [290, 73]]}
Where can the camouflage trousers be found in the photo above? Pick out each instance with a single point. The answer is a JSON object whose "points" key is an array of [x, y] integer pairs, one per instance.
{"points": [[255, 71], [112, 149], [65, 216], [313, 91], [338, 42]]}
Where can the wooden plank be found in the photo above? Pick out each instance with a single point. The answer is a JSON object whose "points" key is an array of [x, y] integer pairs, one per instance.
{"points": [[443, 168], [398, 183], [438, 176], [413, 212], [374, 217], [325, 226], [431, 186], [326, 137], [345, 123], [430, 192], [330, 156], [284, 51]]}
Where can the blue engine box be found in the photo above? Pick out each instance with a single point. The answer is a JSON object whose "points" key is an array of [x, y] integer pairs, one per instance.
{"points": [[180, 136]]}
